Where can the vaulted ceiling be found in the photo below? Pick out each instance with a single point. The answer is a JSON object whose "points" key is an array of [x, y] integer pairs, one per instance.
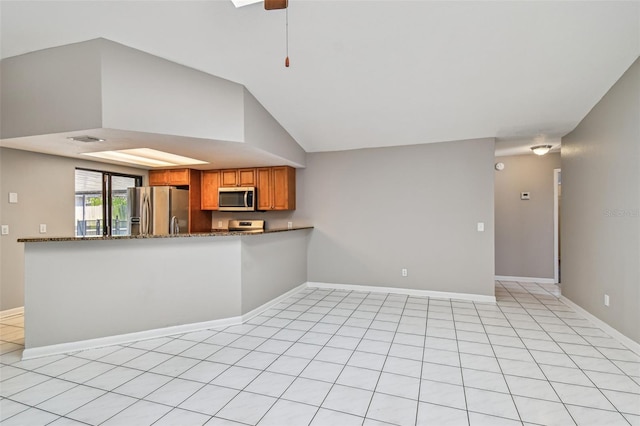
{"points": [[374, 73]]}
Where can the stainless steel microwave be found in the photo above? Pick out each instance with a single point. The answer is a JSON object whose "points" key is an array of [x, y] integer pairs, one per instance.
{"points": [[237, 199]]}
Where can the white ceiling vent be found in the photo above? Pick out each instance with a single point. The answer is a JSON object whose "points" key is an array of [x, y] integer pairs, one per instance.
{"points": [[86, 139]]}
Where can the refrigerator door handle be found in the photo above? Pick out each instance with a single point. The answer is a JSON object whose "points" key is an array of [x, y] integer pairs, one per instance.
{"points": [[141, 213], [146, 215], [174, 227]]}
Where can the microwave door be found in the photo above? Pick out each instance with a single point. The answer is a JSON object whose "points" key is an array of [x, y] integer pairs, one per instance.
{"points": [[228, 199], [235, 199]]}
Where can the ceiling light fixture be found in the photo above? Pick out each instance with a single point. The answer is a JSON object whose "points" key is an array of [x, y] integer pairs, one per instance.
{"points": [[146, 157], [540, 149]]}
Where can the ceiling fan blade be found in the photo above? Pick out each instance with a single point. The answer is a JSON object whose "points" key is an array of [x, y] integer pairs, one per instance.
{"points": [[241, 3], [275, 4]]}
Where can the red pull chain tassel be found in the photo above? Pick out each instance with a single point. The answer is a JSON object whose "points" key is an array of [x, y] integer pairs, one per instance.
{"points": [[286, 62]]}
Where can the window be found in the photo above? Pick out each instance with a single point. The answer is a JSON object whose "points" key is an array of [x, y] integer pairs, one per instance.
{"points": [[101, 202]]}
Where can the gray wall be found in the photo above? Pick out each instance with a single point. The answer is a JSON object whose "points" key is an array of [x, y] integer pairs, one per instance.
{"points": [[100, 83], [376, 211], [272, 264], [51, 91], [524, 229], [146, 93], [154, 283], [262, 131], [601, 208], [103, 84], [46, 186]]}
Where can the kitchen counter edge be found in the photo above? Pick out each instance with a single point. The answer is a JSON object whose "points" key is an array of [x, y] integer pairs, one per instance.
{"points": [[220, 233]]}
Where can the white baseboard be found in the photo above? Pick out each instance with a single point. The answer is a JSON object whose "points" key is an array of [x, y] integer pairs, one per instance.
{"points": [[12, 312], [155, 333], [526, 279], [624, 340], [120, 339], [406, 291], [260, 309]]}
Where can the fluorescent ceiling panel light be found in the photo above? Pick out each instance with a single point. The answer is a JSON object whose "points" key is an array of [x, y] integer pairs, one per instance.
{"points": [[240, 3], [154, 154], [146, 157]]}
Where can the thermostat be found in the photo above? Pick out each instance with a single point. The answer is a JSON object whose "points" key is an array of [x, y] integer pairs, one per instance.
{"points": [[525, 195], [499, 166]]}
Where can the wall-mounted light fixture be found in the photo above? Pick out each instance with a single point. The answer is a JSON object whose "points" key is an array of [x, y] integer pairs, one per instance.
{"points": [[540, 149]]}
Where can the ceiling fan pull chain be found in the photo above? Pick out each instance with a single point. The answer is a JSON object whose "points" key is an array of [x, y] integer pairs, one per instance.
{"points": [[286, 61]]}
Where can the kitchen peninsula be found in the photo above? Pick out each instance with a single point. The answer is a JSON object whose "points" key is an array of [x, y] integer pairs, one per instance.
{"points": [[88, 292]]}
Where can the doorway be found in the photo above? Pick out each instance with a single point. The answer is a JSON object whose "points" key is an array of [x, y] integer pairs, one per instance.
{"points": [[557, 197]]}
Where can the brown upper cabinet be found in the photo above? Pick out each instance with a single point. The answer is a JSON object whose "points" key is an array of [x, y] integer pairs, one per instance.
{"points": [[199, 220], [173, 177], [238, 177], [210, 185], [276, 188]]}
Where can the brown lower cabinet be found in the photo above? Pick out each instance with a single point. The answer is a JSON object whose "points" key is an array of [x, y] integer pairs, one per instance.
{"points": [[199, 220]]}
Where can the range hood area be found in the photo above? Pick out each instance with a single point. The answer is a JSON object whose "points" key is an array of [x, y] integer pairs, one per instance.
{"points": [[133, 99]]}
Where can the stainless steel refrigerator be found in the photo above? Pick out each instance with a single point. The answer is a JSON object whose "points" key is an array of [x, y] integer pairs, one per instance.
{"points": [[158, 210]]}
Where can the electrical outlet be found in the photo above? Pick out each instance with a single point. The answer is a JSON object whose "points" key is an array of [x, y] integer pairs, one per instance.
{"points": [[606, 300], [405, 272], [5, 229], [219, 224], [13, 197], [480, 226], [43, 228], [289, 225]]}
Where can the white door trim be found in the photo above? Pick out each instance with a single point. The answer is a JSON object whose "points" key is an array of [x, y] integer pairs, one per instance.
{"points": [[556, 227]]}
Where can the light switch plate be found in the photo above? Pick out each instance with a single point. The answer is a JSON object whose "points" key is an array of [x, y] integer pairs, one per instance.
{"points": [[5, 229], [43, 228], [480, 226], [13, 197]]}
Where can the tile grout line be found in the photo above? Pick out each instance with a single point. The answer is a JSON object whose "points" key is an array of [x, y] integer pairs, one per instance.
{"points": [[387, 356], [578, 368], [499, 366], [526, 300], [354, 350], [541, 370], [328, 294]]}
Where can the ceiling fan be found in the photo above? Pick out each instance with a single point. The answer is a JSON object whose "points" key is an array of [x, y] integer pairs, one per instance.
{"points": [[268, 4]]}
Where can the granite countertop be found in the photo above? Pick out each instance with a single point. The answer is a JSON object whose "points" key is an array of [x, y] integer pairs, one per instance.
{"points": [[213, 233]]}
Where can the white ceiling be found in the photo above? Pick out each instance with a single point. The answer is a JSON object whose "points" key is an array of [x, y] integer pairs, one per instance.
{"points": [[374, 73]]}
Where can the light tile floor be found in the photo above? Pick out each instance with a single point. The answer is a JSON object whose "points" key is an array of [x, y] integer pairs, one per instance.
{"points": [[343, 358]]}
